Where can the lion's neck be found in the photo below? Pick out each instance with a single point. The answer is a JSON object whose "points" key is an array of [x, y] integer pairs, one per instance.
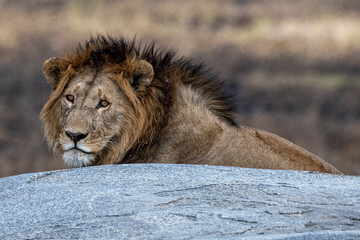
{"points": [[191, 131]]}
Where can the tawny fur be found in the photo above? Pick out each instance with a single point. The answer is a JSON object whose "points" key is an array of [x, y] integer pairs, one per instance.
{"points": [[158, 109]]}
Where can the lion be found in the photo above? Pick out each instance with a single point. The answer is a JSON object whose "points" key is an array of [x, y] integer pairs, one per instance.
{"points": [[115, 101]]}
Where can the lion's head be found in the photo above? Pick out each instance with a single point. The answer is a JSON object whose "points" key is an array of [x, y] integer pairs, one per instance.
{"points": [[102, 99], [112, 99]]}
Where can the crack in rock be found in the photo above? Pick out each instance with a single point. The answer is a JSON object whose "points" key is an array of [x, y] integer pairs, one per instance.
{"points": [[296, 213], [171, 202], [236, 219], [39, 176], [190, 217], [185, 189], [118, 215]]}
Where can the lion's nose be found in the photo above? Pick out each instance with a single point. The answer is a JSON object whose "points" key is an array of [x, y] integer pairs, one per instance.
{"points": [[76, 136]]}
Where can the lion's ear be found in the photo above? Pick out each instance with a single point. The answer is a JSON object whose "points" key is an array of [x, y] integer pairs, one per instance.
{"points": [[52, 69], [142, 75]]}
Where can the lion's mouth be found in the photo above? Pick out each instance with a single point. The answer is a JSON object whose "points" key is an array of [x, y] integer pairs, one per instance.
{"points": [[75, 146], [76, 157], [81, 150], [80, 154]]}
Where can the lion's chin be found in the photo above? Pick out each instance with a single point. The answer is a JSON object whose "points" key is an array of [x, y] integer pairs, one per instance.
{"points": [[77, 158]]}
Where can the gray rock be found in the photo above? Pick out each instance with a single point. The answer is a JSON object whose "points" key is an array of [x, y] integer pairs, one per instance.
{"points": [[154, 201]]}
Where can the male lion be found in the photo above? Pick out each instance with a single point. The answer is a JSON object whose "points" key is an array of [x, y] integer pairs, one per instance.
{"points": [[116, 102]]}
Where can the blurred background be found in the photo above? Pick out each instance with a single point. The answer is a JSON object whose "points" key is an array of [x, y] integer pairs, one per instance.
{"points": [[294, 65]]}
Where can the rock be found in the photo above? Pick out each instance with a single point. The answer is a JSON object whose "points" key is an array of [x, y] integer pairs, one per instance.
{"points": [[155, 201]]}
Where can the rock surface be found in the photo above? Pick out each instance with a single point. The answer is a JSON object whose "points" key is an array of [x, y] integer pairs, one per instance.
{"points": [[154, 201]]}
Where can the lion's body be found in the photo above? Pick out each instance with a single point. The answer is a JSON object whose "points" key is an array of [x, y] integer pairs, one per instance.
{"points": [[157, 109], [206, 139]]}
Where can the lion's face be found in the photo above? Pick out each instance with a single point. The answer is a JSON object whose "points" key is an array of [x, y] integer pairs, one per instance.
{"points": [[96, 114], [91, 113]]}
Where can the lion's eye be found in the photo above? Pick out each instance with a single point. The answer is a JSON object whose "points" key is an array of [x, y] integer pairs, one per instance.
{"points": [[70, 98], [103, 104]]}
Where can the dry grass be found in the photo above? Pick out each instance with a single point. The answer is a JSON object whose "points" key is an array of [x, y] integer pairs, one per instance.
{"points": [[286, 59]]}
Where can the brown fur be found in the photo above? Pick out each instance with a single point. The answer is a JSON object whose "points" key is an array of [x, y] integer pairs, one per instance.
{"points": [[161, 110]]}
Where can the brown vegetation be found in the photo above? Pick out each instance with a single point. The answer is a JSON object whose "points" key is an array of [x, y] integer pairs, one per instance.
{"points": [[293, 65]]}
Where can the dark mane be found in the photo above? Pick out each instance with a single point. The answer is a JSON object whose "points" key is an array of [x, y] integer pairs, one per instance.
{"points": [[102, 51]]}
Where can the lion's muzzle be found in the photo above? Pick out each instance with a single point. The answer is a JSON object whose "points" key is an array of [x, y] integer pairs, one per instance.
{"points": [[76, 154], [76, 136], [76, 140]]}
